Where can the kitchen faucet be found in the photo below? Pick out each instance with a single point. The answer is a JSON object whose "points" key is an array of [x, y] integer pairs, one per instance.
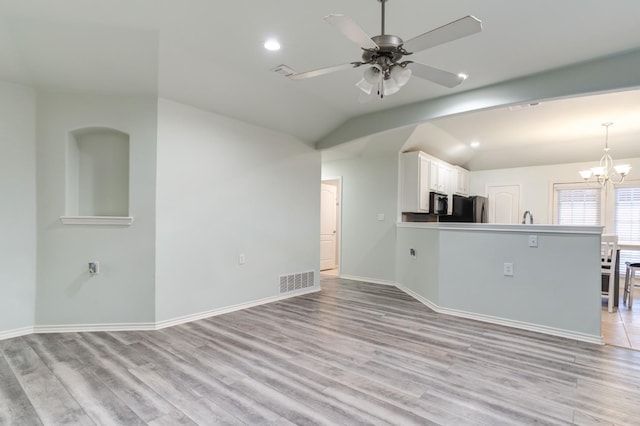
{"points": [[524, 217]]}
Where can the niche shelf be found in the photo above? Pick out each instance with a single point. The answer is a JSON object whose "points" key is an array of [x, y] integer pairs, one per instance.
{"points": [[97, 220], [97, 177]]}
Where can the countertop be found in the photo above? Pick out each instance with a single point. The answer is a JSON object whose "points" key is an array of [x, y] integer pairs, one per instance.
{"points": [[493, 227]]}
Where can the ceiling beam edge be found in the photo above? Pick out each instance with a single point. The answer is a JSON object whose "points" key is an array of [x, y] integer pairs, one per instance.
{"points": [[611, 73]]}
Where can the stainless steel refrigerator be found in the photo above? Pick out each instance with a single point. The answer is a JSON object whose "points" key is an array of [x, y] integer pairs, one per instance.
{"points": [[479, 206], [468, 209]]}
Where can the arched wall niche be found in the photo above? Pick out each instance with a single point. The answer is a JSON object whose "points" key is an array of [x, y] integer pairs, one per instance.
{"points": [[97, 173]]}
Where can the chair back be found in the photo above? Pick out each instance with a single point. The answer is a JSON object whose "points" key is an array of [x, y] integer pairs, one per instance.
{"points": [[609, 251]]}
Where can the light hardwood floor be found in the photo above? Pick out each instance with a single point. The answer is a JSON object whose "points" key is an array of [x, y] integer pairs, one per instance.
{"points": [[622, 327], [354, 353]]}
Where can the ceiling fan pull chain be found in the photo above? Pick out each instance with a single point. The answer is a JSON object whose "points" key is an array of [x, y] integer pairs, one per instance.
{"points": [[382, 26]]}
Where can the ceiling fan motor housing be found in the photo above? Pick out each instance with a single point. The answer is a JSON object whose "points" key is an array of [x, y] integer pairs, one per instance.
{"points": [[388, 54]]}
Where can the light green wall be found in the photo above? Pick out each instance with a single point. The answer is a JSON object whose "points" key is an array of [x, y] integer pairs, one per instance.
{"points": [[18, 208], [224, 188], [124, 292], [555, 287], [369, 188]]}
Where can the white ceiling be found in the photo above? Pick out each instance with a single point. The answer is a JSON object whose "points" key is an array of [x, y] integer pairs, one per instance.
{"points": [[209, 54], [556, 132]]}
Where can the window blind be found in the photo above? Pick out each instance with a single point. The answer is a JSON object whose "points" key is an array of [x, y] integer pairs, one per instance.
{"points": [[627, 221], [578, 206], [627, 217]]}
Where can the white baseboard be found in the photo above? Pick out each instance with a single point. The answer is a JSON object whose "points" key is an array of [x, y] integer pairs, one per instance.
{"points": [[238, 307], [80, 328], [367, 280], [17, 332], [589, 338], [148, 326], [68, 328]]}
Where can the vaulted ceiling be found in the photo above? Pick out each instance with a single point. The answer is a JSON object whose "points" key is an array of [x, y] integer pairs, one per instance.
{"points": [[209, 53]]}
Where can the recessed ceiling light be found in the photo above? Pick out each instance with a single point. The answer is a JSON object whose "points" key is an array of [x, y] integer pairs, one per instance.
{"points": [[272, 44], [474, 144], [463, 76]]}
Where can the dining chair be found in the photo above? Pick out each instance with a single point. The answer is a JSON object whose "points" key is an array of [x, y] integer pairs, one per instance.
{"points": [[609, 256], [629, 282]]}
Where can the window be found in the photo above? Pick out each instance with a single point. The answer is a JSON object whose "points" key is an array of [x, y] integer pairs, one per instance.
{"points": [[577, 206], [617, 209], [627, 216], [627, 220]]}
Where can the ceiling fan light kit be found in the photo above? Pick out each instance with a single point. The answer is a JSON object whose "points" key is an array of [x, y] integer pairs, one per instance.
{"points": [[384, 53], [606, 172]]}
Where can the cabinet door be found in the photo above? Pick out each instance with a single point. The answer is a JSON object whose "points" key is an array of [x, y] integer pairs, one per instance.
{"points": [[434, 176], [423, 187], [450, 188], [415, 183], [461, 181], [439, 177], [443, 179]]}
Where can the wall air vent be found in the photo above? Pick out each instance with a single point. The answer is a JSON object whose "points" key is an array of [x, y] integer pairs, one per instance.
{"points": [[297, 281]]}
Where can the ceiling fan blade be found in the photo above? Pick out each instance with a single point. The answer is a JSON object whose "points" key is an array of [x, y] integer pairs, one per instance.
{"points": [[449, 32], [322, 71], [351, 30], [444, 78]]}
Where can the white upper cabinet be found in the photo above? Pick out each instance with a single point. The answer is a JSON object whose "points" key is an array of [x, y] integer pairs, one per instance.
{"points": [[461, 181], [439, 176], [415, 182], [422, 174]]}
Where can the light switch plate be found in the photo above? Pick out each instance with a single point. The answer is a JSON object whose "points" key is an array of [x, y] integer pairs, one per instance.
{"points": [[533, 241], [508, 269]]}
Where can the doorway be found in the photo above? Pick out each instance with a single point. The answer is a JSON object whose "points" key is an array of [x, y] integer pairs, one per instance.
{"points": [[330, 225]]}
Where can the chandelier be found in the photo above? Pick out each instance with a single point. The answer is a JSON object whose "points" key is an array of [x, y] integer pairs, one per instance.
{"points": [[606, 171]]}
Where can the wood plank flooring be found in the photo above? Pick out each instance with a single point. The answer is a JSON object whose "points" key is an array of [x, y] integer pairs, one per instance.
{"points": [[354, 353]]}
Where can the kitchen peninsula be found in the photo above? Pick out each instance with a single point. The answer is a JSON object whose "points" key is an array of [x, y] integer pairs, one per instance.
{"points": [[544, 278]]}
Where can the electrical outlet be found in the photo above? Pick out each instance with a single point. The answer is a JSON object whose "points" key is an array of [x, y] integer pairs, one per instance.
{"points": [[508, 269], [241, 259], [94, 267], [533, 241]]}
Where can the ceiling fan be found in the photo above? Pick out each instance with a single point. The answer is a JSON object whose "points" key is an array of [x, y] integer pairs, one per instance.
{"points": [[387, 71]]}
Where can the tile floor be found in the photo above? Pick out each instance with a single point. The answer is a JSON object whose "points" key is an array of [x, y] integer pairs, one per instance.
{"points": [[622, 327]]}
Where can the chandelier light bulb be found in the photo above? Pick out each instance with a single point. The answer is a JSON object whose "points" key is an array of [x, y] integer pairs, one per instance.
{"points": [[372, 75], [400, 75], [585, 174], [389, 87], [365, 86], [623, 169]]}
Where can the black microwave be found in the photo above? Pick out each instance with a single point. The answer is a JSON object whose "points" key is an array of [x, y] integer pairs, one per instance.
{"points": [[438, 203]]}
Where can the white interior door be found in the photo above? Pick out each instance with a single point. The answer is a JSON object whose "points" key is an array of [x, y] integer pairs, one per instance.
{"points": [[328, 226], [504, 204]]}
